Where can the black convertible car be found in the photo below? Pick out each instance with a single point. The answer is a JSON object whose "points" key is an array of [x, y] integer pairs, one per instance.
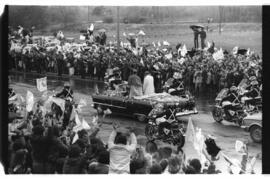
{"points": [[140, 107]]}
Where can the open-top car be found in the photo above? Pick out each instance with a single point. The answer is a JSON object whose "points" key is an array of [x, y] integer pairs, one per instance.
{"points": [[140, 107]]}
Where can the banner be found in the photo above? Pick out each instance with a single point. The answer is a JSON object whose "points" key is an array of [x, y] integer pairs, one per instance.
{"points": [[42, 84]]}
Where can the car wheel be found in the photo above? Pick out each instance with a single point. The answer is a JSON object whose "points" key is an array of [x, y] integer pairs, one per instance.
{"points": [[256, 134], [217, 114], [150, 132]]}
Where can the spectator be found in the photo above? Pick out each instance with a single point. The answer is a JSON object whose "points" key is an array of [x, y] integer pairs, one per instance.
{"points": [[120, 151], [102, 164], [148, 84]]}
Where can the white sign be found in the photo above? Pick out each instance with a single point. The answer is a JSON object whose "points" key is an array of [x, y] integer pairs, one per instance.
{"points": [[42, 84]]}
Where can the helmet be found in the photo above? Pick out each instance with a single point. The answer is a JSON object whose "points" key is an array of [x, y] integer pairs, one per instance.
{"points": [[252, 78], [253, 83], [233, 88]]}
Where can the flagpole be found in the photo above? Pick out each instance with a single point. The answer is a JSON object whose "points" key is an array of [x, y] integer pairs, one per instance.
{"points": [[118, 40]]}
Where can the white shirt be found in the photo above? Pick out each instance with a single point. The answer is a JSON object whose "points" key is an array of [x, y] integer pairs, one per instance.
{"points": [[120, 154]]}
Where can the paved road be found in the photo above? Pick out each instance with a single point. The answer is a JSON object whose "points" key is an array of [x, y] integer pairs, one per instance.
{"points": [[226, 133]]}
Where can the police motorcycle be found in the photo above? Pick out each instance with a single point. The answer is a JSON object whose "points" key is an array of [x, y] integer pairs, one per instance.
{"points": [[162, 125], [251, 97], [175, 86], [229, 110]]}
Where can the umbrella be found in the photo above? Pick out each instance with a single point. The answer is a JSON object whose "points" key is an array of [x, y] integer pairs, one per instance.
{"points": [[196, 26]]}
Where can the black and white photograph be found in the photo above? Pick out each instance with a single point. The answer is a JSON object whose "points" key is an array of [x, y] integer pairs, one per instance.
{"points": [[120, 89]]}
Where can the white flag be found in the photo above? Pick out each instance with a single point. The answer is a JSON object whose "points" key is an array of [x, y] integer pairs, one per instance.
{"points": [[75, 138], [82, 37], [235, 50], [218, 55], [168, 56], [183, 50], [85, 125], [154, 44], [166, 43], [42, 84], [29, 101], [141, 33], [159, 44], [91, 27], [190, 134], [239, 146]]}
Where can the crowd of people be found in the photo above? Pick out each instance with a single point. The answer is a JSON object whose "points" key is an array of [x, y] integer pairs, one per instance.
{"points": [[41, 145], [198, 68]]}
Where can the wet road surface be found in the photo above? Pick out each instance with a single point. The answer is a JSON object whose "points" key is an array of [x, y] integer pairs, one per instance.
{"points": [[226, 133]]}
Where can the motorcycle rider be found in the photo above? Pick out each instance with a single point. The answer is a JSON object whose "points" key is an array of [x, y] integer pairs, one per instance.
{"points": [[177, 87], [66, 93], [115, 78], [233, 99], [253, 93]]}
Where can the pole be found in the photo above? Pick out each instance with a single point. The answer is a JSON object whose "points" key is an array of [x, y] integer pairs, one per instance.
{"points": [[87, 14], [220, 18], [118, 40]]}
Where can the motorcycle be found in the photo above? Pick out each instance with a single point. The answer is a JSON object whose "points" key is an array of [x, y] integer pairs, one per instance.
{"points": [[178, 91], [236, 115], [164, 128]]}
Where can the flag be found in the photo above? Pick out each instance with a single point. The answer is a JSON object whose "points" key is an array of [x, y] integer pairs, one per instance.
{"points": [[42, 84], [218, 55], [91, 27], [124, 34], [85, 125], [168, 56], [208, 45], [154, 44], [159, 44], [190, 133], [106, 112], [75, 138], [142, 62], [235, 50], [82, 37], [181, 61], [96, 89], [183, 50], [29, 101], [95, 120], [60, 102], [141, 33], [239, 146], [166, 43]]}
